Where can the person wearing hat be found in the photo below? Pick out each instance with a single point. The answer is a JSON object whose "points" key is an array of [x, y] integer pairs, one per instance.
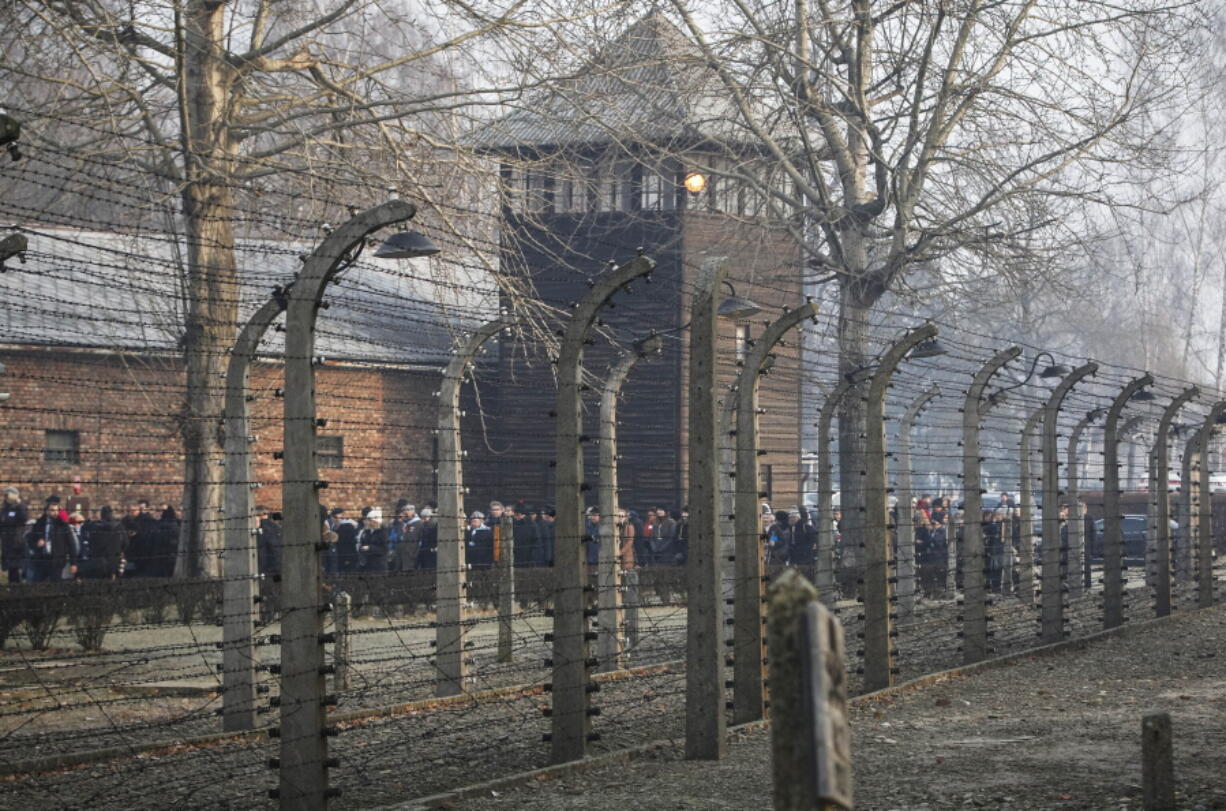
{"points": [[479, 542], [427, 550], [107, 543], [13, 519], [527, 537], [546, 528], [346, 530], [372, 543], [404, 538], [50, 545]]}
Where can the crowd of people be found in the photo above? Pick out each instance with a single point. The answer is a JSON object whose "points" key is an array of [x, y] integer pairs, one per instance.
{"points": [[66, 540]]}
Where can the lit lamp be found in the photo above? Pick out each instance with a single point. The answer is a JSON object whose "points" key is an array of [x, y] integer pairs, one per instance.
{"points": [[695, 182]]}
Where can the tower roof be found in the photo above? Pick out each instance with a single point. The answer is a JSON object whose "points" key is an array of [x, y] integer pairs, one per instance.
{"points": [[651, 84]]}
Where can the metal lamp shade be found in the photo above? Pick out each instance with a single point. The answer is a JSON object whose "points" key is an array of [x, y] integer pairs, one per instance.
{"points": [[929, 348], [406, 245], [1056, 370], [1142, 396], [738, 307]]}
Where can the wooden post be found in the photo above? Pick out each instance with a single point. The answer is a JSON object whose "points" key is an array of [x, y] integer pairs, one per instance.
{"points": [[1204, 524], [1077, 552], [905, 492], [506, 589], [826, 588], [1160, 525], [1025, 552], [1113, 538], [1051, 583], [450, 567], [704, 684], [878, 592], [1157, 763], [571, 663], [342, 649], [609, 592], [748, 701], [974, 608], [810, 736], [239, 566], [304, 742]]}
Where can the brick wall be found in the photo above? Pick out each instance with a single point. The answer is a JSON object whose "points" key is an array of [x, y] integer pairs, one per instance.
{"points": [[125, 410]]}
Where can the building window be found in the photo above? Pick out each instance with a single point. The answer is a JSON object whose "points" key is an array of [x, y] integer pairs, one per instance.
{"points": [[768, 482], [329, 451], [742, 341], [62, 447]]}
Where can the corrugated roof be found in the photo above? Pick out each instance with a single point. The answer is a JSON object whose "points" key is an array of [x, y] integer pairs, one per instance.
{"points": [[119, 292], [651, 82]]}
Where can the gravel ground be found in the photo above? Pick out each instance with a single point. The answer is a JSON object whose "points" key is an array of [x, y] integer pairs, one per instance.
{"points": [[1052, 731], [416, 754]]}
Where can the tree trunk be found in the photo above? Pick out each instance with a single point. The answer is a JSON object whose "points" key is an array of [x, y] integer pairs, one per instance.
{"points": [[212, 286], [853, 341]]}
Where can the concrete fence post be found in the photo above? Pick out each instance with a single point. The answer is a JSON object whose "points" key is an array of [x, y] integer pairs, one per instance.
{"points": [[239, 567], [905, 493], [974, 608], [342, 649], [879, 600], [1025, 553], [1078, 555], [304, 762], [1188, 510], [810, 736], [827, 589], [748, 703], [451, 569], [1160, 525], [1113, 538], [1051, 582], [570, 714], [610, 580], [506, 589], [1204, 524], [704, 684]]}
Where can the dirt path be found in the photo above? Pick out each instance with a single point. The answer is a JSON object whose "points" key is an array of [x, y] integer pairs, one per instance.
{"points": [[1055, 731]]}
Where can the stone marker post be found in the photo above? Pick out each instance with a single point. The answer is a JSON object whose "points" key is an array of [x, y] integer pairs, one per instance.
{"points": [[1157, 763]]}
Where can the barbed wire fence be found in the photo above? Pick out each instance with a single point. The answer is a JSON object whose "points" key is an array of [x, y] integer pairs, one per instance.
{"points": [[429, 672]]}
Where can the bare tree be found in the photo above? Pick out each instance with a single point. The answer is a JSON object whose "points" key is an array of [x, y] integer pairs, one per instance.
{"points": [[258, 116]]}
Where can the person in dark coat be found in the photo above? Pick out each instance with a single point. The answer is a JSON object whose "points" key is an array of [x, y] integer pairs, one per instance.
{"points": [[268, 544], [346, 546], [591, 539], [50, 545], [681, 536], [427, 552], [13, 519], [778, 539], [107, 542], [372, 543], [804, 540], [663, 533], [166, 544], [142, 552], [479, 542], [527, 537], [546, 530]]}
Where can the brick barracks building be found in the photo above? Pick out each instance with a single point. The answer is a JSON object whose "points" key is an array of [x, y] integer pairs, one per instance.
{"points": [[90, 330]]}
